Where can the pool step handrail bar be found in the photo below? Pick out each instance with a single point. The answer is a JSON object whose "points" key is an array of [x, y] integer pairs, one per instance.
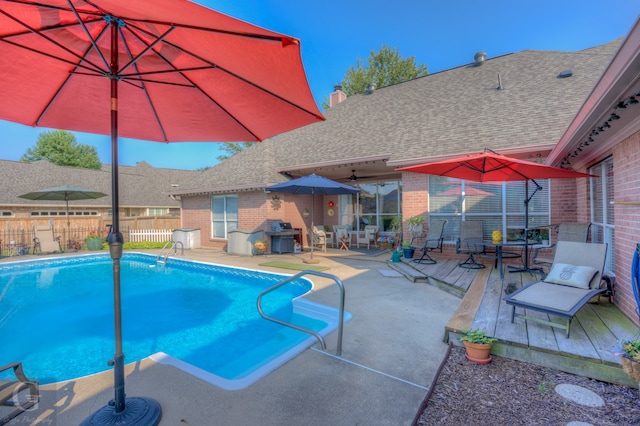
{"points": [[297, 327], [168, 246]]}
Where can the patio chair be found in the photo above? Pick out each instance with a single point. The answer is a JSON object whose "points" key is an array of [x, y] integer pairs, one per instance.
{"points": [[433, 241], [11, 392], [318, 238], [470, 241], [568, 231], [44, 241], [343, 239], [367, 236], [574, 279]]}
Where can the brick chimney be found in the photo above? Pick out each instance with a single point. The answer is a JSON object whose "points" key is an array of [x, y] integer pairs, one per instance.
{"points": [[337, 96]]}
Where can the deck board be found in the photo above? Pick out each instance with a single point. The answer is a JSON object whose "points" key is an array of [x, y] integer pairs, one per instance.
{"points": [[595, 330]]}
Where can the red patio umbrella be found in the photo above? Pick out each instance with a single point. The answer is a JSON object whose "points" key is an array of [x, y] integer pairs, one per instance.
{"points": [[160, 70], [490, 166]]}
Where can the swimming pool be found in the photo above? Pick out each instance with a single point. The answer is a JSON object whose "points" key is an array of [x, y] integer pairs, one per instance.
{"points": [[56, 316]]}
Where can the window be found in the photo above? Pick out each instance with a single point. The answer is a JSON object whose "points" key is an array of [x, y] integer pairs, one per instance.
{"points": [[157, 211], [46, 213], [224, 210], [499, 205], [602, 211], [375, 204]]}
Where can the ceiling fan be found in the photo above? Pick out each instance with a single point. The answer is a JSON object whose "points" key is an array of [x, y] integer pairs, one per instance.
{"points": [[353, 176]]}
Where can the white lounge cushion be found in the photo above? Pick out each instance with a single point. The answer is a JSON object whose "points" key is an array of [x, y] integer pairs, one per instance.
{"points": [[571, 275]]}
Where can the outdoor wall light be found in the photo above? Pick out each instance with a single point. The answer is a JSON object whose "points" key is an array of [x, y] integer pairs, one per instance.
{"points": [[305, 213]]}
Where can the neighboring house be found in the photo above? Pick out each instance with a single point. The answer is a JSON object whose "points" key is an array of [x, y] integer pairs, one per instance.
{"points": [[143, 191], [519, 105]]}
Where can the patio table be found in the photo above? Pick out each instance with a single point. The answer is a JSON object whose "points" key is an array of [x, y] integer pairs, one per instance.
{"points": [[499, 253]]}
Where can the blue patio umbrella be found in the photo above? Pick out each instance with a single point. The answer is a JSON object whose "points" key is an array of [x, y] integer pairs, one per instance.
{"points": [[312, 184]]}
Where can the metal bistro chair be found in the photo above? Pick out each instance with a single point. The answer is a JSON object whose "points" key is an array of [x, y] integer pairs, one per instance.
{"points": [[470, 241], [433, 241]]}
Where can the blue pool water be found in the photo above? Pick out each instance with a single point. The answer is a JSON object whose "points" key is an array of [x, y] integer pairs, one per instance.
{"points": [[56, 316]]}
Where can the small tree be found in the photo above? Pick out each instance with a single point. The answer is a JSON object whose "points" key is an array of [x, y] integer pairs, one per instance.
{"points": [[232, 148], [383, 68], [61, 148]]}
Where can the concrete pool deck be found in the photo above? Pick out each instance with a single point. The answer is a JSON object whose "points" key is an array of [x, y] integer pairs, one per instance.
{"points": [[391, 350]]}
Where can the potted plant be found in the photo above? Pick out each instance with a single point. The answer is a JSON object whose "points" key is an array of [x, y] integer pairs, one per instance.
{"points": [[629, 352], [260, 245], [407, 250], [415, 225], [544, 236], [477, 345], [93, 240]]}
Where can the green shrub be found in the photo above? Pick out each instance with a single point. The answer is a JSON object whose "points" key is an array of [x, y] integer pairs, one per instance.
{"points": [[144, 245]]}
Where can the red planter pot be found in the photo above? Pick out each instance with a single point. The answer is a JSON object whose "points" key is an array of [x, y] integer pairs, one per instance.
{"points": [[478, 352]]}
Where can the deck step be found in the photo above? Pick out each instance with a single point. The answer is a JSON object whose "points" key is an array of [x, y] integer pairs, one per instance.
{"points": [[406, 269]]}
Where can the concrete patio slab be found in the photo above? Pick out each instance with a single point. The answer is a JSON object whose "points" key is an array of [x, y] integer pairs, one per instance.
{"points": [[391, 350]]}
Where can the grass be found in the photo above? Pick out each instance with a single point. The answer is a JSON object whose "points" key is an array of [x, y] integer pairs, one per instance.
{"points": [[294, 266]]}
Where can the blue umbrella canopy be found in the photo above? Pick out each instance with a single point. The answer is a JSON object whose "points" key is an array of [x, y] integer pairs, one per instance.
{"points": [[312, 184]]}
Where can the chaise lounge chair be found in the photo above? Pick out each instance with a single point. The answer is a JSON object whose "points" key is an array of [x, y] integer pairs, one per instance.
{"points": [[567, 231], [432, 242], [10, 392], [573, 280], [44, 241]]}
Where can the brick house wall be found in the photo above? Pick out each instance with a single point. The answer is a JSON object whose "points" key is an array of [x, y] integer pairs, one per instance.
{"points": [[626, 166]]}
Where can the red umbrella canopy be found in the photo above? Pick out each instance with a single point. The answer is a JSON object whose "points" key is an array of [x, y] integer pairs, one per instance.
{"points": [[185, 72], [492, 167]]}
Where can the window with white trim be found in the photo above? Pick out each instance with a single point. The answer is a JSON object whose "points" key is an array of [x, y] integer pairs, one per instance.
{"points": [[499, 205], [224, 209], [602, 211]]}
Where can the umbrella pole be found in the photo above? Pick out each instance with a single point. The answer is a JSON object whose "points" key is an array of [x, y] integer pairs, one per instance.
{"points": [[527, 198], [313, 201], [66, 199], [120, 410]]}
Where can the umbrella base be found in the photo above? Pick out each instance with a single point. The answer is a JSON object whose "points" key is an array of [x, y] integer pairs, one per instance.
{"points": [[137, 411], [314, 261]]}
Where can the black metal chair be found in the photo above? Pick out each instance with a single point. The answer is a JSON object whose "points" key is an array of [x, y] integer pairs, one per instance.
{"points": [[433, 241]]}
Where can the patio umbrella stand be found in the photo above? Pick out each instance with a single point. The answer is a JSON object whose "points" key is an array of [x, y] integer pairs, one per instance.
{"points": [[313, 184], [178, 71]]}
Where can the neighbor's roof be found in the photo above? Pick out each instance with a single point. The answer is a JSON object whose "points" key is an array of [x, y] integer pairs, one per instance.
{"points": [[140, 186], [456, 111]]}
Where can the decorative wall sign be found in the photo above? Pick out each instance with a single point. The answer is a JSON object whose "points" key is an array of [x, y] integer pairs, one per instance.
{"points": [[275, 202]]}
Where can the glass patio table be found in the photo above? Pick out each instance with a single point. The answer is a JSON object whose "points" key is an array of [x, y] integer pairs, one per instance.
{"points": [[499, 253]]}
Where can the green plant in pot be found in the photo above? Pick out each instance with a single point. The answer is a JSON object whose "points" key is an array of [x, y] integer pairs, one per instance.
{"points": [[407, 250], [415, 225], [94, 240], [477, 345], [629, 352]]}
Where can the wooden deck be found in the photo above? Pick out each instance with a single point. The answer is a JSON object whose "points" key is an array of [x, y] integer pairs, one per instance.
{"points": [[595, 330]]}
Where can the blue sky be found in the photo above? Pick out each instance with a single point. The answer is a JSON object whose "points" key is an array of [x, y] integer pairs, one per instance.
{"points": [[334, 34]]}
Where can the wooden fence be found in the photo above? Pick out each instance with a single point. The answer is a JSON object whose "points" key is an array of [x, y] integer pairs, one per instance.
{"points": [[19, 231]]}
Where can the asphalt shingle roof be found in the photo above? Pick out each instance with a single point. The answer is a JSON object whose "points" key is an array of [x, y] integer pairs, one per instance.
{"points": [[447, 113], [140, 186]]}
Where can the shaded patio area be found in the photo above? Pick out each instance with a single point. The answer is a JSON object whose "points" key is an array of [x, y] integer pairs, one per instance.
{"points": [[595, 330]]}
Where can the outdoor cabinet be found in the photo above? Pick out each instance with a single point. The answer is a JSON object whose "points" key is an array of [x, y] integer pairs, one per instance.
{"points": [[241, 242], [189, 237]]}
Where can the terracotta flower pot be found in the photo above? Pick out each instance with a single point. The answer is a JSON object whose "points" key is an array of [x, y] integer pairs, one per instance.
{"points": [[632, 368], [478, 352]]}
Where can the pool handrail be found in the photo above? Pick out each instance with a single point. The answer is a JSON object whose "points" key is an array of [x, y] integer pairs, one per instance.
{"points": [[168, 246], [297, 327]]}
